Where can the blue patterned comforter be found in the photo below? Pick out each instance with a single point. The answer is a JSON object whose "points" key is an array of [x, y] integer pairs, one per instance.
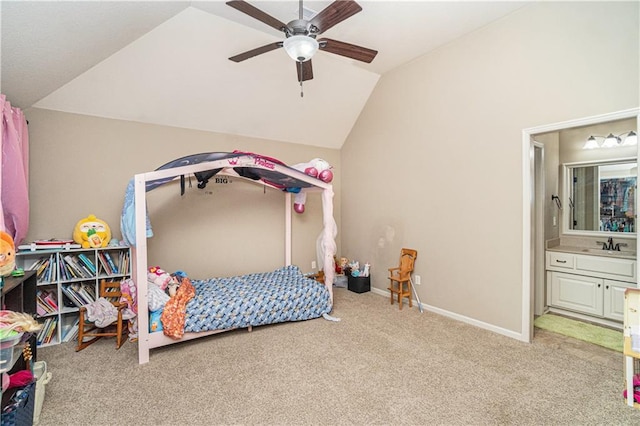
{"points": [[255, 299]]}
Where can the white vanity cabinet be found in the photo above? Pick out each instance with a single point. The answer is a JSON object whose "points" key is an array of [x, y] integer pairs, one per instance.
{"points": [[614, 299], [577, 293], [590, 285]]}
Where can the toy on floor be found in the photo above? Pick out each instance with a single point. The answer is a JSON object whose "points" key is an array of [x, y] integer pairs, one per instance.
{"points": [[91, 232], [636, 389], [7, 254]]}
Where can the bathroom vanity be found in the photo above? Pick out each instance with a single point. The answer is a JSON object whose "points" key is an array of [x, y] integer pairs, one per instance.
{"points": [[592, 260], [589, 283]]}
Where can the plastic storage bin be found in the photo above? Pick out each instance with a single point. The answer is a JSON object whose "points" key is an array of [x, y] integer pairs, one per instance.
{"points": [[340, 281], [42, 378], [7, 345]]}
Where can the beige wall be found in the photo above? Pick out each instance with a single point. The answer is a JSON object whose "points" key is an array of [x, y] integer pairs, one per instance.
{"points": [[435, 159], [81, 165]]}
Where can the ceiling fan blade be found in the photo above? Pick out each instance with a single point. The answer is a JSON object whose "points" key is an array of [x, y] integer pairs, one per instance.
{"points": [[255, 52], [305, 72], [347, 49], [335, 13], [256, 13]]}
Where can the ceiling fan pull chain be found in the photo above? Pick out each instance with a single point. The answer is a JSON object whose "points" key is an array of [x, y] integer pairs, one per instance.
{"points": [[301, 79]]}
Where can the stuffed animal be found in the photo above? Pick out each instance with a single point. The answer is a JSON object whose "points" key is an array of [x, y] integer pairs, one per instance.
{"points": [[164, 280], [367, 268], [159, 277], [92, 232], [354, 266], [317, 168], [7, 254]]}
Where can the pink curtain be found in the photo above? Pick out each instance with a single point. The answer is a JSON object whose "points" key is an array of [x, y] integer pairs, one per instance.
{"points": [[14, 176]]}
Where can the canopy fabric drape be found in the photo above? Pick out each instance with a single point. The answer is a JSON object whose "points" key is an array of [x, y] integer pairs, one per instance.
{"points": [[14, 176]]}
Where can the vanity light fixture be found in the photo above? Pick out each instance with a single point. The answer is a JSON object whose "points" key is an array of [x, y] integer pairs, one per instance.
{"points": [[611, 141]]}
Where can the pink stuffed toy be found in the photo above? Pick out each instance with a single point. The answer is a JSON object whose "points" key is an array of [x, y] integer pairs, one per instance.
{"points": [[159, 277], [317, 168]]}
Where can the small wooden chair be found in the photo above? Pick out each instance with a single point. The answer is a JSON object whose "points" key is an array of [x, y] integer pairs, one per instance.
{"points": [[400, 277], [111, 292]]}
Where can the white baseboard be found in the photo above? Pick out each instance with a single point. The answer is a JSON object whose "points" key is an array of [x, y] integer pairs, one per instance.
{"points": [[461, 318]]}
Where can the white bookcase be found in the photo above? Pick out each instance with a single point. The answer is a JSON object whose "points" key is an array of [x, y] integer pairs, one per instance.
{"points": [[60, 282]]}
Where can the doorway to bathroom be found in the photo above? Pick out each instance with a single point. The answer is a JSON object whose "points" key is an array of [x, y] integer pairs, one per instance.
{"points": [[545, 203]]}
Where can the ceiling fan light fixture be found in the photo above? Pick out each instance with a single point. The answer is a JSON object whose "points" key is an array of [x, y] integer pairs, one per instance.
{"points": [[300, 47]]}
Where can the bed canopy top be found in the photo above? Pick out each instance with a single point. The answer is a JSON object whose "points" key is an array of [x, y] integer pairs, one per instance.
{"points": [[261, 169], [247, 165]]}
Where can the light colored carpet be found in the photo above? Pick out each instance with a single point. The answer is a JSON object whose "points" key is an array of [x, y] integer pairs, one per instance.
{"points": [[591, 333], [378, 366]]}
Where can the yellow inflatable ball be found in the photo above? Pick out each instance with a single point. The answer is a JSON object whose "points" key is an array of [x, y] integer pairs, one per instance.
{"points": [[92, 232]]}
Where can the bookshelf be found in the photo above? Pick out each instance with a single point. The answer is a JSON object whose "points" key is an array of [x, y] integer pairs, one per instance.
{"points": [[67, 279]]}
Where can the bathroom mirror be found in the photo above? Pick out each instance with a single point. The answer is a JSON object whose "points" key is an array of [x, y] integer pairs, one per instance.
{"points": [[601, 196]]}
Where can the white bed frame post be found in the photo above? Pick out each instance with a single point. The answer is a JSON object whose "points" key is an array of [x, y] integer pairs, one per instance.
{"points": [[287, 229], [140, 268]]}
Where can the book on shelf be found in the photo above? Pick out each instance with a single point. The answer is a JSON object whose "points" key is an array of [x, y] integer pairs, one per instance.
{"points": [[35, 266], [86, 294], [86, 272], [77, 269], [112, 265], [40, 310], [123, 262], [46, 271], [106, 265], [87, 262], [42, 304], [45, 335], [70, 271], [103, 263], [71, 332], [51, 332], [48, 299], [73, 296]]}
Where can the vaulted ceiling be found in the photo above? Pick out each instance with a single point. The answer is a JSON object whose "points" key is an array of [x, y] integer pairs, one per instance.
{"points": [[167, 62]]}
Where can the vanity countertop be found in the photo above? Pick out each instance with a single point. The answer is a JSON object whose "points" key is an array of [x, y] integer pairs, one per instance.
{"points": [[590, 251]]}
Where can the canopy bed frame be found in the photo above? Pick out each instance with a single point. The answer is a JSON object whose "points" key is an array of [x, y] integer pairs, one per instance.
{"points": [[264, 170]]}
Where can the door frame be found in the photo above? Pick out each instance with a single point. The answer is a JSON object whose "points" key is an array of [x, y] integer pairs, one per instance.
{"points": [[538, 292], [528, 202]]}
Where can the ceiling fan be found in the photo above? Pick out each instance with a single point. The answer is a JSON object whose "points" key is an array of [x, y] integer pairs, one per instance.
{"points": [[300, 42]]}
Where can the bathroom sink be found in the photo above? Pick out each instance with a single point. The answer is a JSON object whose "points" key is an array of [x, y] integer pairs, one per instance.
{"points": [[628, 254]]}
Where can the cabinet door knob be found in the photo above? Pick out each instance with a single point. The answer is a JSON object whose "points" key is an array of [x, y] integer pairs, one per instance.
{"points": [[599, 285], [607, 287]]}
